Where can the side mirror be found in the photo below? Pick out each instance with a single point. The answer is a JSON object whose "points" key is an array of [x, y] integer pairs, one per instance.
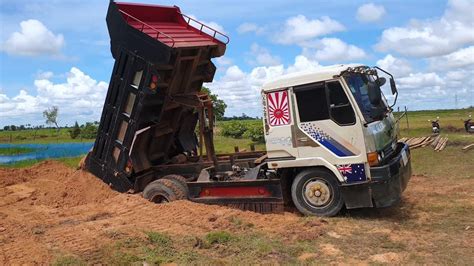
{"points": [[393, 86], [381, 81], [375, 95]]}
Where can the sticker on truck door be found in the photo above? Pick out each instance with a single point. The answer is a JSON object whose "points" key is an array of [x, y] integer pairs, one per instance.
{"points": [[329, 139], [278, 108]]}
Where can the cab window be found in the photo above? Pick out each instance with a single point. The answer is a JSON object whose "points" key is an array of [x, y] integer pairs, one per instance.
{"points": [[312, 102], [322, 101], [340, 108]]}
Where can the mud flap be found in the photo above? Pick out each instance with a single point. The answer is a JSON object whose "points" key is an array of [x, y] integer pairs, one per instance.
{"points": [[357, 195]]}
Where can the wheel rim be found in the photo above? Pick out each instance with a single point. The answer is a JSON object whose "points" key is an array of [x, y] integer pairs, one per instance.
{"points": [[159, 199], [317, 193]]}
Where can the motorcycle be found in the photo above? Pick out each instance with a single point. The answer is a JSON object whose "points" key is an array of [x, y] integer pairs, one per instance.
{"points": [[469, 125], [435, 128]]}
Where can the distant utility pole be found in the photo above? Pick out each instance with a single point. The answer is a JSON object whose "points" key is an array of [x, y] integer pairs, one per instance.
{"points": [[455, 101]]}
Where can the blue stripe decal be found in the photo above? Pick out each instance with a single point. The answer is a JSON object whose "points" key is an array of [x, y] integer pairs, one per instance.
{"points": [[327, 141]]}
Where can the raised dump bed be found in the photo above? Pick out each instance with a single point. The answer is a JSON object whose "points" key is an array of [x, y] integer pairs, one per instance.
{"points": [[147, 139], [162, 57]]}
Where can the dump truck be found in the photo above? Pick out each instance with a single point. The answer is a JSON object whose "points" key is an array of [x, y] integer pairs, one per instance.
{"points": [[330, 136]]}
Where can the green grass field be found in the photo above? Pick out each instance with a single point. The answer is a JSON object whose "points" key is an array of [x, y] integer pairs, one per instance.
{"points": [[451, 122], [44, 135]]}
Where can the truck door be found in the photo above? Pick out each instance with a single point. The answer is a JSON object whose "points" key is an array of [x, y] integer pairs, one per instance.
{"points": [[327, 126]]}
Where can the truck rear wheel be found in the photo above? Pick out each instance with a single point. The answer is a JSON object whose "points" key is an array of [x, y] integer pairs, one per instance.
{"points": [[180, 180], [316, 192], [164, 190]]}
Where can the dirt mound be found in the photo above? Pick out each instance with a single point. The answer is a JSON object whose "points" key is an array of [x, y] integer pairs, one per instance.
{"points": [[53, 184], [49, 209]]}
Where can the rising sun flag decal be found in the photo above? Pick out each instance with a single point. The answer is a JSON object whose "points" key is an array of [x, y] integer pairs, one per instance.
{"points": [[278, 108]]}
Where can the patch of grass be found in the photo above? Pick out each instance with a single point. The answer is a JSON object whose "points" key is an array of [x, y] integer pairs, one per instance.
{"points": [[44, 135], [452, 162], [157, 238], [65, 260], [72, 162], [220, 247], [69, 161], [15, 150], [219, 237], [451, 122], [20, 164], [122, 258]]}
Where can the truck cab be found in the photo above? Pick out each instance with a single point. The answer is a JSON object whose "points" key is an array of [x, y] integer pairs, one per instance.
{"points": [[334, 131]]}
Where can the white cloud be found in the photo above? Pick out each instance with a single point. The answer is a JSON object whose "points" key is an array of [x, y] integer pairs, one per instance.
{"points": [[333, 50], [79, 98], [420, 80], [421, 91], [370, 12], [396, 66], [34, 39], [261, 56], [461, 58], [222, 63], [214, 25], [250, 27], [241, 90], [428, 38], [44, 75], [299, 29]]}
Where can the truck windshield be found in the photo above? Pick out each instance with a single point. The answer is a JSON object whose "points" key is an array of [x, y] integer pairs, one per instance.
{"points": [[358, 84]]}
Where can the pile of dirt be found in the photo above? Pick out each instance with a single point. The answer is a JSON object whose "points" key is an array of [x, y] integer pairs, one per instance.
{"points": [[53, 184], [49, 209]]}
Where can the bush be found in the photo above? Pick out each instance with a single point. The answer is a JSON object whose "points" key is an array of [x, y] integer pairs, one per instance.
{"points": [[159, 238], [218, 237], [234, 129], [89, 131], [75, 131], [255, 133]]}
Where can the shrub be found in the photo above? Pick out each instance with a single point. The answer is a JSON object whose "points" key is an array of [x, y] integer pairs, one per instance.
{"points": [[159, 238], [234, 129], [255, 133], [75, 131], [218, 237], [89, 131]]}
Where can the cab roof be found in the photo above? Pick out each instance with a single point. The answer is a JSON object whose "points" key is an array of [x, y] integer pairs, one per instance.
{"points": [[294, 79]]}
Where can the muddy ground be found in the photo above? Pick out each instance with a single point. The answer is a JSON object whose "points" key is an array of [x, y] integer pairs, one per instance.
{"points": [[50, 211]]}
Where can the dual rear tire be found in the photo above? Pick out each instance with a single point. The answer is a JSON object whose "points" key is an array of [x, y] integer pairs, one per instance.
{"points": [[166, 189]]}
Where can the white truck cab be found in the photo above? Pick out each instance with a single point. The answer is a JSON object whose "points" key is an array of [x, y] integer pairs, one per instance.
{"points": [[337, 134]]}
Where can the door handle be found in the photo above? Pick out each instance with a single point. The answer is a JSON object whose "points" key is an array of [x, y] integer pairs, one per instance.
{"points": [[304, 139]]}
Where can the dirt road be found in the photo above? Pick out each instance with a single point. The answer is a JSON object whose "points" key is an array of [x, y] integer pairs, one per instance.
{"points": [[50, 210]]}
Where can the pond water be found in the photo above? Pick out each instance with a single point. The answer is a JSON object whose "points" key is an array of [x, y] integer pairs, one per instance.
{"points": [[45, 151]]}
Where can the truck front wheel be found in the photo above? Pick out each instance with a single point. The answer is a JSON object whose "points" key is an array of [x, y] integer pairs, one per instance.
{"points": [[316, 192]]}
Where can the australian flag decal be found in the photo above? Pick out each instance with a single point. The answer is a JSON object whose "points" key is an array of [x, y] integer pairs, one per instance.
{"points": [[352, 172]]}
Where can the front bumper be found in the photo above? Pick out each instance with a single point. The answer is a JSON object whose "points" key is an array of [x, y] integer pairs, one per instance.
{"points": [[386, 185]]}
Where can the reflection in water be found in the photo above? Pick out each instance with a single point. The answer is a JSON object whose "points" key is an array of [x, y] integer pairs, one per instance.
{"points": [[44, 151]]}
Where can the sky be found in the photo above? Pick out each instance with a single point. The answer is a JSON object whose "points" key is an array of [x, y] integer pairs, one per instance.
{"points": [[57, 52]]}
